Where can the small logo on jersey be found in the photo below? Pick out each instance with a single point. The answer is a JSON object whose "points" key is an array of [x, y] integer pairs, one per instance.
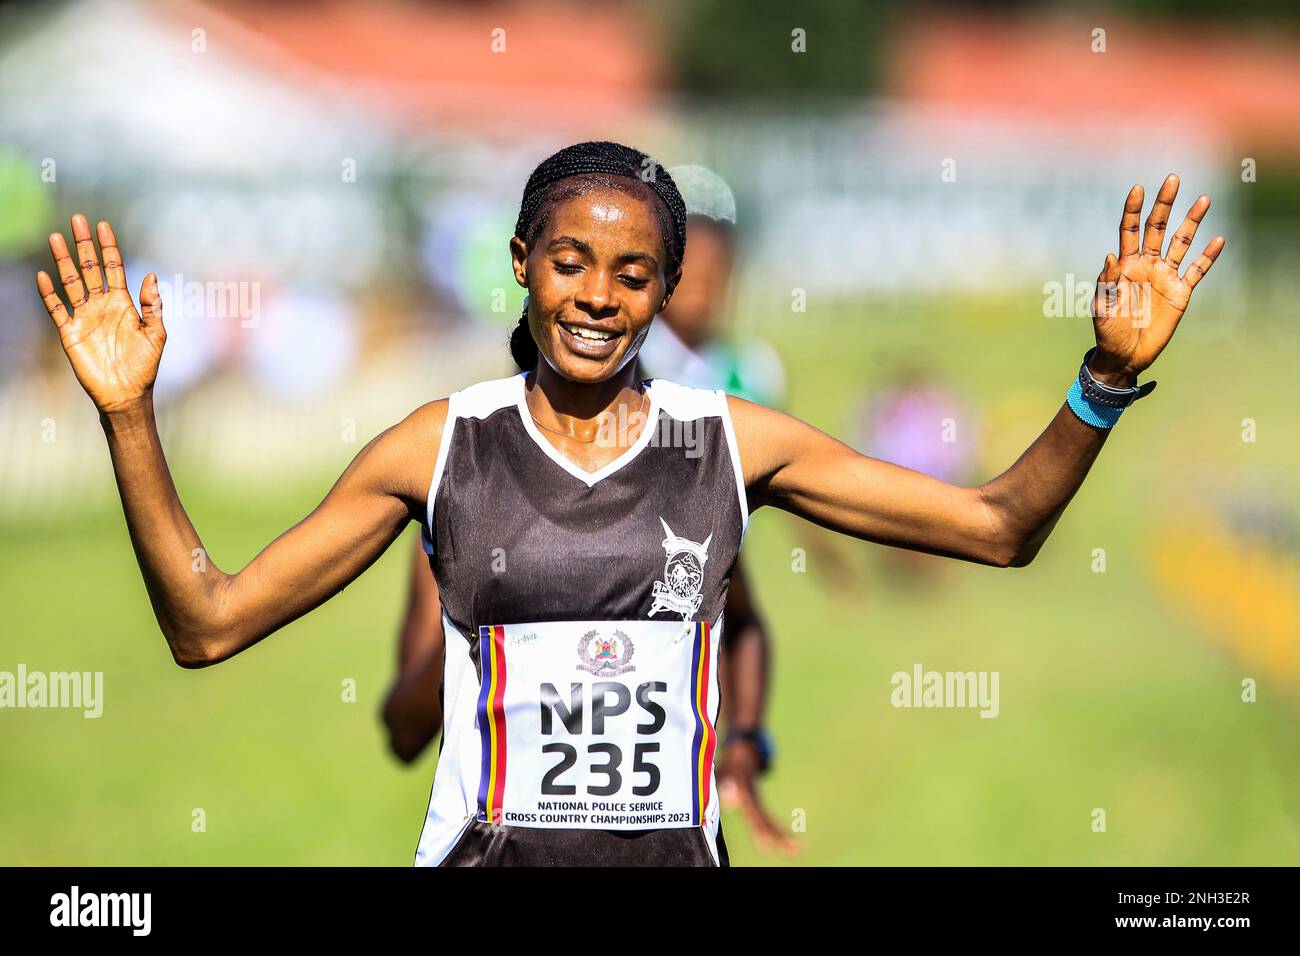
{"points": [[605, 656], [679, 591]]}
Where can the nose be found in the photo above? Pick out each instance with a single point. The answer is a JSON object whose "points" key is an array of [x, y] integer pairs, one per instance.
{"points": [[596, 297]]}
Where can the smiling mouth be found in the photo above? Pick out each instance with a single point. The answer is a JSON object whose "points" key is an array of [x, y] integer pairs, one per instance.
{"points": [[596, 343]]}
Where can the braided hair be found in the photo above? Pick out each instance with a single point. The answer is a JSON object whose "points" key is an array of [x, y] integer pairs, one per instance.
{"points": [[579, 169]]}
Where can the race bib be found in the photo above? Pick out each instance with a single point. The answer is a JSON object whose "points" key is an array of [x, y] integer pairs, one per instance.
{"points": [[602, 725]]}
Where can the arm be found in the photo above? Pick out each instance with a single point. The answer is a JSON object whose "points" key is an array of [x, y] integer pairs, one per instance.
{"points": [[205, 614], [1139, 302], [412, 711], [743, 671], [745, 654]]}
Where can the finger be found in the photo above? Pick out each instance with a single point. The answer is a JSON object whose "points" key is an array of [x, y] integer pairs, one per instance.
{"points": [[150, 300], [759, 829], [1103, 298], [766, 832], [1201, 265], [1182, 239], [1153, 240], [53, 304], [113, 271], [1109, 269], [1128, 224], [86, 255], [752, 808], [68, 273]]}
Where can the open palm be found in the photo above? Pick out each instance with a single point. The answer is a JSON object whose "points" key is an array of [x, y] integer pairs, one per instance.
{"points": [[114, 350], [1140, 296]]}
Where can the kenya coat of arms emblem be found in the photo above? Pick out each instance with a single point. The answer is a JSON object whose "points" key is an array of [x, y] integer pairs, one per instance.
{"points": [[605, 656]]}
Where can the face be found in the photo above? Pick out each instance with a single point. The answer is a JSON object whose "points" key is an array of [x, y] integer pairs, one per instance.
{"points": [[595, 279], [700, 300]]}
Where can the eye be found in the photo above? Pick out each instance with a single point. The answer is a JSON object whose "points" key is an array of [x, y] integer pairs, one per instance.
{"points": [[568, 268], [634, 282]]}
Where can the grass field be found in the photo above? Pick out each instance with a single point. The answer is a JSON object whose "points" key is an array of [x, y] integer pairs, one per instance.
{"points": [[1113, 694]]}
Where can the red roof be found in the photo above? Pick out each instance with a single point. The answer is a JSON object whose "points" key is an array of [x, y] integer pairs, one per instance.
{"points": [[564, 65], [1235, 81]]}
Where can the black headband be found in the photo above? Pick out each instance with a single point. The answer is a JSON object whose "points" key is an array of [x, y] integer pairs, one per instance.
{"points": [[604, 157]]}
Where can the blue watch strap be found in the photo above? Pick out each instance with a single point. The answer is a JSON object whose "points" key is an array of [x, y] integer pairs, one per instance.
{"points": [[1088, 411], [761, 741]]}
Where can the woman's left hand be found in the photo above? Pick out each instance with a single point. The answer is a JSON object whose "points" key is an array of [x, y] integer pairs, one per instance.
{"points": [[1140, 296]]}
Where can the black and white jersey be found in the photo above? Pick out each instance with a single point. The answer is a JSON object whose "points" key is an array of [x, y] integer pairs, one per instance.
{"points": [[583, 616]]}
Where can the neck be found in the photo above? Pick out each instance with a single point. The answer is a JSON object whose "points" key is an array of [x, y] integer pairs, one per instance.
{"points": [[578, 408]]}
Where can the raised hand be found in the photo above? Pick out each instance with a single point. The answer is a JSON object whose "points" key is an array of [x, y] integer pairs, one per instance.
{"points": [[1140, 296], [114, 350]]}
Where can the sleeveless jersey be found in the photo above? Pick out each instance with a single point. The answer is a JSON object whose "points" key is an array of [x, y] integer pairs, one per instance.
{"points": [[583, 616]]}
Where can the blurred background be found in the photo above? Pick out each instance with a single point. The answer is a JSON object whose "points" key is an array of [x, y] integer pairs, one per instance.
{"points": [[925, 195]]}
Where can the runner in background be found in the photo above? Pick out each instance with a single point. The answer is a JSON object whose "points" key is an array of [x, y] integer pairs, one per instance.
{"points": [[689, 345]]}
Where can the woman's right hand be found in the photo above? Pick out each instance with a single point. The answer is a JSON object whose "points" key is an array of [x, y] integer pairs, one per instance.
{"points": [[114, 350]]}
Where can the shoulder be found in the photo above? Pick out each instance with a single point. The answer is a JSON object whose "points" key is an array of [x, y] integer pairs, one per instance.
{"points": [[483, 398], [421, 432], [768, 439], [751, 428], [411, 448], [685, 402], [749, 422], [396, 460]]}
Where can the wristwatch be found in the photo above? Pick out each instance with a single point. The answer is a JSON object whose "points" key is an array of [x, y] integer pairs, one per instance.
{"points": [[759, 738], [1109, 395]]}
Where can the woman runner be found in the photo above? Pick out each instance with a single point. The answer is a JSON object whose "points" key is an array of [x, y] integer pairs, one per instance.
{"points": [[583, 568], [683, 346]]}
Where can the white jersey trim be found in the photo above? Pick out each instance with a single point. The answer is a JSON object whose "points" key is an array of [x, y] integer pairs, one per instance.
{"points": [[685, 403], [588, 478], [682, 402], [477, 401], [452, 799], [734, 447]]}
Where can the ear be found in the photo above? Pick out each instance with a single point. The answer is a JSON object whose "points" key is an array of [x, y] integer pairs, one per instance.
{"points": [[519, 260]]}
